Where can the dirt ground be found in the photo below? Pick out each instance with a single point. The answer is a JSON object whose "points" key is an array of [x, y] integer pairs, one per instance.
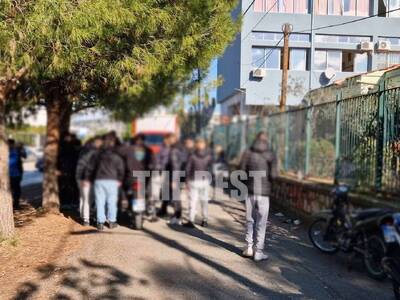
{"points": [[41, 241]]}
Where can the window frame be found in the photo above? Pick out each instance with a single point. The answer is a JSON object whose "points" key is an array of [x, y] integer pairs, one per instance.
{"points": [[306, 58], [266, 50]]}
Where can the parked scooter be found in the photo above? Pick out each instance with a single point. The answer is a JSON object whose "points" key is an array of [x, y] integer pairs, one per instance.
{"points": [[355, 232], [137, 203], [391, 262]]}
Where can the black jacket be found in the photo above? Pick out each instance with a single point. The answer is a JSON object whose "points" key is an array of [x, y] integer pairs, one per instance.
{"points": [[85, 159], [198, 161], [107, 164], [175, 159], [259, 158]]}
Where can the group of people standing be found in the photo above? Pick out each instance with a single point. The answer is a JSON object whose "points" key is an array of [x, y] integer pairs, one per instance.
{"points": [[102, 170], [105, 171], [187, 159]]}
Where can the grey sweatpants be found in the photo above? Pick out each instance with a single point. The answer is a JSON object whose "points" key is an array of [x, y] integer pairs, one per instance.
{"points": [[257, 210]]}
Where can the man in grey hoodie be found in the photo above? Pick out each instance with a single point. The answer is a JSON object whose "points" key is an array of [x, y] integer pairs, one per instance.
{"points": [[260, 165]]}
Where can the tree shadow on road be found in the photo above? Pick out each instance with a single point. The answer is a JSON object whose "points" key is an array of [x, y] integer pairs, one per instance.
{"points": [[253, 286], [195, 232], [87, 280]]}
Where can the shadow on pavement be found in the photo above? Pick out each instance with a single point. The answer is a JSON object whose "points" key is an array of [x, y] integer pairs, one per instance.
{"points": [[195, 232], [250, 284], [87, 281]]}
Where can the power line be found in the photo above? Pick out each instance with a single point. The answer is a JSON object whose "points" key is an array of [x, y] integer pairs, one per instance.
{"points": [[266, 57], [262, 18], [349, 22], [248, 8]]}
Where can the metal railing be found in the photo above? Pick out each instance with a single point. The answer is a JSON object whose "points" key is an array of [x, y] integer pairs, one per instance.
{"points": [[354, 141]]}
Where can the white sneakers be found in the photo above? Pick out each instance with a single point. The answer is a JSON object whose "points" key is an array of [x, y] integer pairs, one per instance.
{"points": [[257, 255], [260, 255], [248, 252], [175, 221]]}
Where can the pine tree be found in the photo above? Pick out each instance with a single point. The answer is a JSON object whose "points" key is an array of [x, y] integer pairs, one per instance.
{"points": [[127, 55]]}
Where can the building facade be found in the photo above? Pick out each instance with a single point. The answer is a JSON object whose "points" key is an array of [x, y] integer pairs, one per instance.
{"points": [[321, 50]]}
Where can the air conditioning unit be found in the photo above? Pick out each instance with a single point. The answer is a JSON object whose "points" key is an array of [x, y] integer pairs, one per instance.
{"points": [[383, 46], [259, 72], [366, 46]]}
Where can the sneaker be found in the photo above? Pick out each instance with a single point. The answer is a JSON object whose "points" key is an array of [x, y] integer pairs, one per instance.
{"points": [[153, 218], [86, 223], [204, 224], [248, 252], [260, 255], [100, 226], [113, 225], [189, 225], [175, 221]]}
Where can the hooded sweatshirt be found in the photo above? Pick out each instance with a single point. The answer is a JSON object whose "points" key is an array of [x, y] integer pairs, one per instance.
{"points": [[199, 160], [260, 159]]}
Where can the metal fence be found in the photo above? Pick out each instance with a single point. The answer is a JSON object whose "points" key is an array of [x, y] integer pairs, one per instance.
{"points": [[354, 141]]}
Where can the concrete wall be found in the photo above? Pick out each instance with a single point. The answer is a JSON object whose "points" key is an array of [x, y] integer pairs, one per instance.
{"points": [[303, 198]]}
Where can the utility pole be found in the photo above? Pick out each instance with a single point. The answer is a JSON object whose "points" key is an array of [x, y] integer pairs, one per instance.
{"points": [[287, 29], [199, 119]]}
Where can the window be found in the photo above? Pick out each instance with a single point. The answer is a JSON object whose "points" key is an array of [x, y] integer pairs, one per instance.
{"points": [[393, 40], [298, 59], [277, 36], [327, 38], [341, 60], [325, 59], [299, 37], [342, 7], [385, 60], [349, 7], [267, 57], [273, 58], [282, 6], [354, 62], [267, 36], [385, 6]]}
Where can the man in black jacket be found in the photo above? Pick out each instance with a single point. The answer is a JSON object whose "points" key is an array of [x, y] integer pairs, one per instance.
{"points": [[85, 187], [260, 165], [108, 171], [199, 164]]}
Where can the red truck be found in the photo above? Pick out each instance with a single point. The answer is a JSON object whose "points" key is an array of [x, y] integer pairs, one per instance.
{"points": [[155, 128]]}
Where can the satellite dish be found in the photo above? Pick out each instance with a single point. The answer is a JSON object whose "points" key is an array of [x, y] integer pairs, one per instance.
{"points": [[329, 73]]}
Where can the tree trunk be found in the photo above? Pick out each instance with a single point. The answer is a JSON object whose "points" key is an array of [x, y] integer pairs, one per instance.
{"points": [[6, 205], [65, 120], [57, 107]]}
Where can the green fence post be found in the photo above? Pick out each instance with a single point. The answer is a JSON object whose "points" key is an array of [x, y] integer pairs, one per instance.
{"points": [[380, 137], [286, 145], [337, 136], [308, 139]]}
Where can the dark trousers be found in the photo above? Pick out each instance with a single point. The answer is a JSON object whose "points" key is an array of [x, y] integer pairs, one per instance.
{"points": [[15, 185], [68, 190]]}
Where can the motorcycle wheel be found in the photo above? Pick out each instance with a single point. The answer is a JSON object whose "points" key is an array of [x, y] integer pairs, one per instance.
{"points": [[138, 221], [316, 234], [396, 288], [375, 251]]}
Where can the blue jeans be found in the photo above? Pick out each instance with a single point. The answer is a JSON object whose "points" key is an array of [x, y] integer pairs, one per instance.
{"points": [[106, 192]]}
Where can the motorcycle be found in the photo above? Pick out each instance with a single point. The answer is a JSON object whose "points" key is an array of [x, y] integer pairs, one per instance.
{"points": [[390, 226], [137, 205], [355, 232]]}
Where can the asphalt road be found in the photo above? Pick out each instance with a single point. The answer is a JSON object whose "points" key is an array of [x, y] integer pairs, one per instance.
{"points": [[164, 262]]}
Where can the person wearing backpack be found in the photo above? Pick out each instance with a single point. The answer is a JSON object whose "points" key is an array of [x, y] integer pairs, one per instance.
{"points": [[15, 170], [258, 159]]}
